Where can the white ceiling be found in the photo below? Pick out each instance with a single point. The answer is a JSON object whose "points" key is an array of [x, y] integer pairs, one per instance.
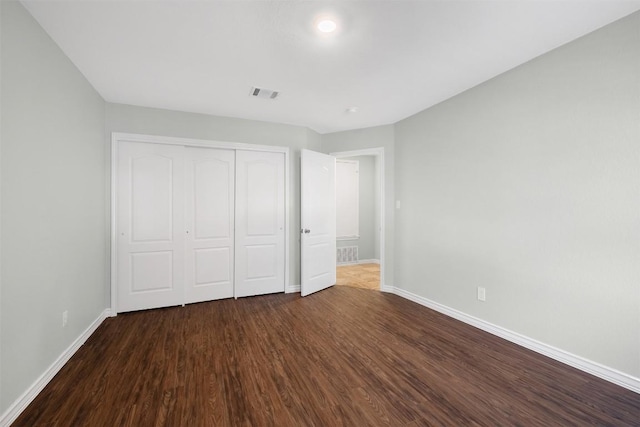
{"points": [[390, 59]]}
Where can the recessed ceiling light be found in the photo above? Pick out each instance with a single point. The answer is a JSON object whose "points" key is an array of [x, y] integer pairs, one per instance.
{"points": [[352, 110], [327, 26]]}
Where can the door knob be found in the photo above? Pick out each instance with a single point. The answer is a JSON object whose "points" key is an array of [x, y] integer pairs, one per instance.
{"points": [[307, 231]]}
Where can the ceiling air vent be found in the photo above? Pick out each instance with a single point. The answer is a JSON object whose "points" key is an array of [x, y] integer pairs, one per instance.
{"points": [[264, 93]]}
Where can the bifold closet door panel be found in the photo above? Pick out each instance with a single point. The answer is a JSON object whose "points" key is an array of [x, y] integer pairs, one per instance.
{"points": [[150, 230], [260, 221], [209, 222]]}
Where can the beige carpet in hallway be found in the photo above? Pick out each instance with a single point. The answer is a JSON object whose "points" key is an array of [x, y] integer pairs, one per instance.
{"points": [[366, 276]]}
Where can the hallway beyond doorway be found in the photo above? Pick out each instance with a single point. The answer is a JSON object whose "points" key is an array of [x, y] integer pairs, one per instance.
{"points": [[365, 276]]}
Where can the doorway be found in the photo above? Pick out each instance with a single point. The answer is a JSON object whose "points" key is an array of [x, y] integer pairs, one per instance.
{"points": [[360, 248]]}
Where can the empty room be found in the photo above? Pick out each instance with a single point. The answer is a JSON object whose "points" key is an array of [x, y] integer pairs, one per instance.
{"points": [[319, 213]]}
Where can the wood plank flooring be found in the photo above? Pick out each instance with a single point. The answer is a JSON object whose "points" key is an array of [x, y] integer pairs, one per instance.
{"points": [[365, 276], [340, 357]]}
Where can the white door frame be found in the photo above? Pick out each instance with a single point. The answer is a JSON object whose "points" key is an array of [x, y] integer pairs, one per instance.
{"points": [[377, 152], [117, 137]]}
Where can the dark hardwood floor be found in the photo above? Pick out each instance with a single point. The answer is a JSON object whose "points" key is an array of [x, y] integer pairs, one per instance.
{"points": [[344, 356]]}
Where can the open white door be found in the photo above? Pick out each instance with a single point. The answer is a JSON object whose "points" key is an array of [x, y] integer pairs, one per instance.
{"points": [[318, 221]]}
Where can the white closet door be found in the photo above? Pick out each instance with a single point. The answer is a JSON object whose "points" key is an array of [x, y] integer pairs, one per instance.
{"points": [[209, 220], [150, 229], [260, 221]]}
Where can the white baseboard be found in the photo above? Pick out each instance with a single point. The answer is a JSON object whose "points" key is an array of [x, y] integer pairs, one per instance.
{"points": [[292, 289], [606, 373], [360, 261], [27, 397], [387, 288]]}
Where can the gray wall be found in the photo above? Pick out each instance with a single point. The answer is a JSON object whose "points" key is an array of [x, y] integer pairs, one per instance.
{"points": [[151, 121], [360, 139], [367, 209], [53, 245], [528, 185]]}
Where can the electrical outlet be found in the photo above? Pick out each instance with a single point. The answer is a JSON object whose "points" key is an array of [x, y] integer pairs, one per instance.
{"points": [[65, 318], [482, 294]]}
